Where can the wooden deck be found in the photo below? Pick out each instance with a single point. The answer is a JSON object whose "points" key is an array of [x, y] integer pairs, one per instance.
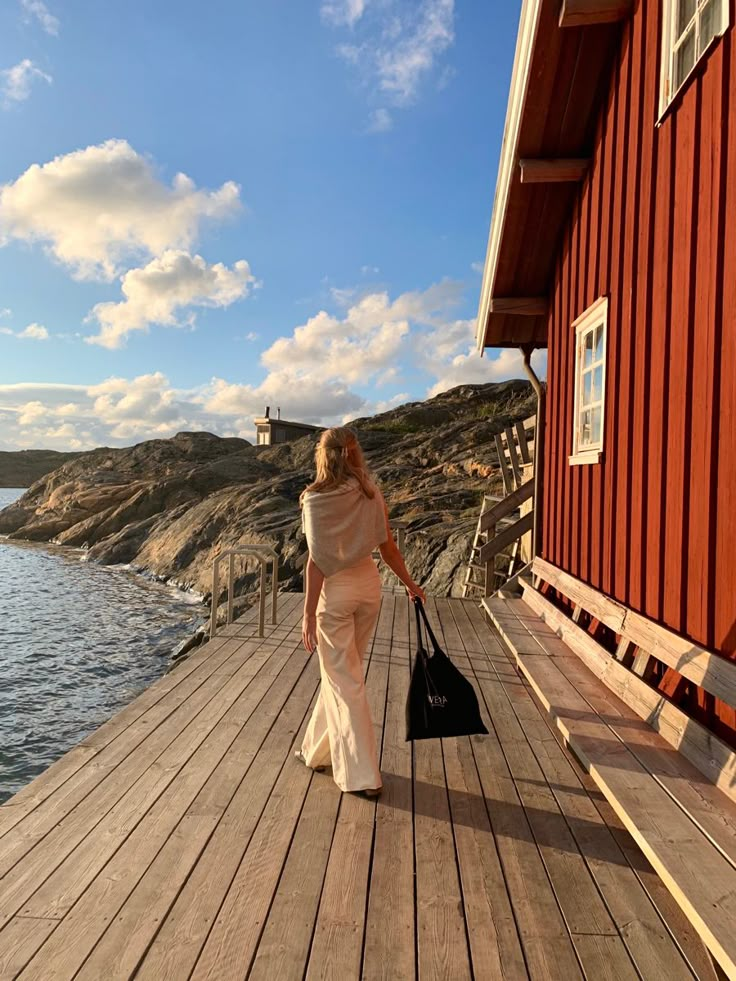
{"points": [[183, 840]]}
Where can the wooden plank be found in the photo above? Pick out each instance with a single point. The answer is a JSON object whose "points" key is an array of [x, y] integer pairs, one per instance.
{"points": [[576, 892], [711, 671], [21, 938], [506, 537], [441, 939], [156, 857], [553, 170], [494, 940], [233, 939], [704, 804], [518, 306], [513, 456], [337, 946], [648, 942], [51, 836], [653, 927], [521, 436], [507, 505], [197, 749], [503, 463], [584, 13], [390, 928], [710, 755], [715, 759], [175, 687], [545, 939], [284, 947], [699, 877], [177, 945]]}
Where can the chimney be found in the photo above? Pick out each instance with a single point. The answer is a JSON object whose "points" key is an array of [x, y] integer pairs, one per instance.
{"points": [[268, 410], [279, 412]]}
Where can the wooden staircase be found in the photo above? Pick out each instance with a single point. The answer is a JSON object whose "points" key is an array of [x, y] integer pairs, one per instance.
{"points": [[496, 553]]}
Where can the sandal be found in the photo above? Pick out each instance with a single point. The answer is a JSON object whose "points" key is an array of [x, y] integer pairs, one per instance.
{"points": [[300, 756]]}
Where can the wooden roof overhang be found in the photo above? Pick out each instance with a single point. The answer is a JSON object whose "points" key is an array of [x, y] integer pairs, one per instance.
{"points": [[561, 69]]}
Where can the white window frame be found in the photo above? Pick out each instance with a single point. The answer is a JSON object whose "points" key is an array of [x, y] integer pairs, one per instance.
{"points": [[667, 90], [595, 316]]}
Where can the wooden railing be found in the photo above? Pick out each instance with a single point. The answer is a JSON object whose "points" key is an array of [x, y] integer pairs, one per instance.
{"points": [[264, 554], [503, 523]]}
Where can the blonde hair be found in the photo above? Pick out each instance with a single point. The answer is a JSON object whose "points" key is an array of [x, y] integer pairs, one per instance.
{"points": [[338, 456]]}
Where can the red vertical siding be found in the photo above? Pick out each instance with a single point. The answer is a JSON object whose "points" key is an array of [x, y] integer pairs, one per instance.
{"points": [[654, 524]]}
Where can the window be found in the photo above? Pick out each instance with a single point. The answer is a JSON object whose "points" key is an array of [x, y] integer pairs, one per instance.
{"points": [[590, 383], [689, 28]]}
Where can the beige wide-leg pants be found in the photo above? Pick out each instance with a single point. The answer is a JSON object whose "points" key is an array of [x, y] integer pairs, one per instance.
{"points": [[340, 731]]}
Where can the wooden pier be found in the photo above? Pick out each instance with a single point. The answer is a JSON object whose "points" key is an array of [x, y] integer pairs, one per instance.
{"points": [[183, 840]]}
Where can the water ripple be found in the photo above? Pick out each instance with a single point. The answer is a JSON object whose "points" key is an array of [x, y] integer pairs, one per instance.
{"points": [[77, 643]]}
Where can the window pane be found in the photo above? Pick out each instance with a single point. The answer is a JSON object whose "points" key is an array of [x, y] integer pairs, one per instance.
{"points": [[599, 344], [585, 428], [587, 382], [710, 23], [684, 58], [597, 393], [588, 348], [595, 426], [685, 11]]}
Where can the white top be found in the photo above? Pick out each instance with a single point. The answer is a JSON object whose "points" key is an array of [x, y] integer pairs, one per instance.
{"points": [[343, 526]]}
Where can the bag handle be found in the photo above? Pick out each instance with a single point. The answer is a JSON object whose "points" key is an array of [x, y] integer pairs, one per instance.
{"points": [[419, 609]]}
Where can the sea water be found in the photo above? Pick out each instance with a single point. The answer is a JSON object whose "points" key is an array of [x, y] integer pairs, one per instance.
{"points": [[78, 641]]}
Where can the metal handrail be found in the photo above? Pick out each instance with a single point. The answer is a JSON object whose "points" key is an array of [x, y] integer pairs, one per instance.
{"points": [[264, 554]]}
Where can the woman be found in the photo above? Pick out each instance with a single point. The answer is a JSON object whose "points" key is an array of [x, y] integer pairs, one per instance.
{"points": [[344, 518]]}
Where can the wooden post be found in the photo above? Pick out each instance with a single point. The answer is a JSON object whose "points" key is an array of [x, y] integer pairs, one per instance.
{"points": [[215, 595], [230, 586], [275, 586], [262, 597]]}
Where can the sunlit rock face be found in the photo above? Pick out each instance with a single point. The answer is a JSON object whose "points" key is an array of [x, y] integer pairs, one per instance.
{"points": [[169, 506]]}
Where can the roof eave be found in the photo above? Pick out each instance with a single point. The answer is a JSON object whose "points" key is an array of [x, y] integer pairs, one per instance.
{"points": [[526, 39]]}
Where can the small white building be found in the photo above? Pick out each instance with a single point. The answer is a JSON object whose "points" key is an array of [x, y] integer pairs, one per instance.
{"points": [[278, 430]]}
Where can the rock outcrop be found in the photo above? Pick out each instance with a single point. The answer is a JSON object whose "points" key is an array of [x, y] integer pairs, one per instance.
{"points": [[168, 507], [21, 468]]}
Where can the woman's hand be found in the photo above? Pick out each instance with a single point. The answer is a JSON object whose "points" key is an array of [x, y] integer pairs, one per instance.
{"points": [[416, 593], [309, 632]]}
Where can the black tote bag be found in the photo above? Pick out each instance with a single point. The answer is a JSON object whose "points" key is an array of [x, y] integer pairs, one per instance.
{"points": [[441, 701]]}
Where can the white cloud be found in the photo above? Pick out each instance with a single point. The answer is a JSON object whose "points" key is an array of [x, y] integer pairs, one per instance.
{"points": [[396, 49], [327, 370], [39, 10], [404, 63], [391, 403], [16, 82], [369, 270], [5, 312], [380, 121], [36, 332], [342, 12], [157, 292], [99, 209], [251, 336], [451, 356], [477, 267]]}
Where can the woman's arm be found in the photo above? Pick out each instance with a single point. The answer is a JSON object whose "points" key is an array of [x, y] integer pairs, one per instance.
{"points": [[314, 578], [395, 561]]}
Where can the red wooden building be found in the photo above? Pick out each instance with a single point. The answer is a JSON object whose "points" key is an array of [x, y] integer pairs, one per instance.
{"points": [[613, 245]]}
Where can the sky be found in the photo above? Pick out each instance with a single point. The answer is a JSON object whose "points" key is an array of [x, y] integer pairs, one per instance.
{"points": [[207, 208]]}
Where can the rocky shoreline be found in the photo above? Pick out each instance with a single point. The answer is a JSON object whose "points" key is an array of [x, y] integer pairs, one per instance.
{"points": [[167, 507]]}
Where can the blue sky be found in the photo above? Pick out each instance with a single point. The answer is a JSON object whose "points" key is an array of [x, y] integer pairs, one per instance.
{"points": [[321, 252]]}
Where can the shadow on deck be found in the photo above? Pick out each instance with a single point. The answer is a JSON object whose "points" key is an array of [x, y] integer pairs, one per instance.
{"points": [[182, 839]]}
